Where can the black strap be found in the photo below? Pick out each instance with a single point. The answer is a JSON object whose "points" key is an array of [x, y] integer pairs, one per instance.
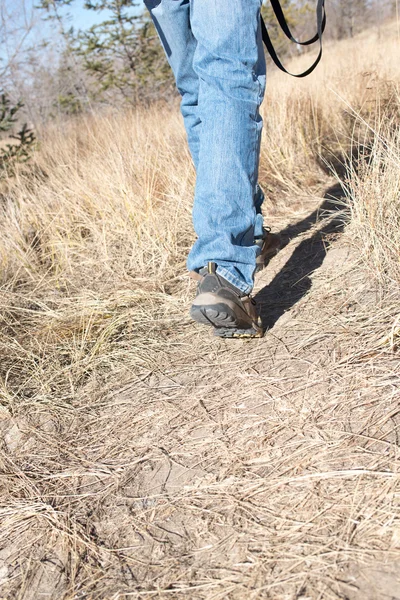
{"points": [[321, 24]]}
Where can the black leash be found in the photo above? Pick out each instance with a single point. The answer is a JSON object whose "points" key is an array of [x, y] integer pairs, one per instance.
{"points": [[321, 24]]}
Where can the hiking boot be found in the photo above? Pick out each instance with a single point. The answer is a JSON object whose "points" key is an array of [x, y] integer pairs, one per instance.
{"points": [[222, 305], [270, 244]]}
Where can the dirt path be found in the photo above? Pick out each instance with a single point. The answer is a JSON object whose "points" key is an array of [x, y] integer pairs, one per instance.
{"points": [[243, 469]]}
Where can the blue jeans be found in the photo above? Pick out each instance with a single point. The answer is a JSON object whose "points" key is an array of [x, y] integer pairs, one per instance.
{"points": [[215, 50]]}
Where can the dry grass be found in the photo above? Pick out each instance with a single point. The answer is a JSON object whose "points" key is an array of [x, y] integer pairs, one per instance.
{"points": [[142, 458]]}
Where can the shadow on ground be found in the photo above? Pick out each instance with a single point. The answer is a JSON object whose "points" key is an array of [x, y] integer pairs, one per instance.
{"points": [[294, 279]]}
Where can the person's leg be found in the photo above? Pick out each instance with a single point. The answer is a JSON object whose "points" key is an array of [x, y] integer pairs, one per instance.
{"points": [[258, 199], [172, 21], [229, 62]]}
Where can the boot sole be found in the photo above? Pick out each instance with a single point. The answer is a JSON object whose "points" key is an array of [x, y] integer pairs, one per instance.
{"points": [[252, 332], [224, 317]]}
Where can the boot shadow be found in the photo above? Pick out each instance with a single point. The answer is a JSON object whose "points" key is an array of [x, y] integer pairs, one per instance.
{"points": [[294, 279]]}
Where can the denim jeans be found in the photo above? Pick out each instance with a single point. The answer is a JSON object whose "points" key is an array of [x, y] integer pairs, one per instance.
{"points": [[215, 50]]}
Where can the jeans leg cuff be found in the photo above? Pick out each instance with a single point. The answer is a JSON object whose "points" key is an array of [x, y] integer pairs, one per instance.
{"points": [[246, 289]]}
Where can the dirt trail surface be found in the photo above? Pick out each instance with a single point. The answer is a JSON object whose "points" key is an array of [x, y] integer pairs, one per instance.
{"points": [[240, 469]]}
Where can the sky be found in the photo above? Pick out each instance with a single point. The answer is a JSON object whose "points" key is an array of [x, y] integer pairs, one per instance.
{"points": [[82, 18], [20, 16]]}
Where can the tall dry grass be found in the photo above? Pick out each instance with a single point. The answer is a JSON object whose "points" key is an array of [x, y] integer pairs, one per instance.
{"points": [[93, 240], [374, 191]]}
